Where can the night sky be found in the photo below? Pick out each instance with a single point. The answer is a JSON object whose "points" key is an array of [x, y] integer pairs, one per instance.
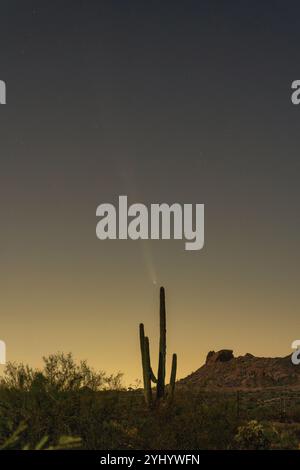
{"points": [[174, 101]]}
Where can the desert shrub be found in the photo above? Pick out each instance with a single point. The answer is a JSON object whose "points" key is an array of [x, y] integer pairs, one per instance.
{"points": [[60, 372], [115, 419], [64, 442], [48, 400], [254, 436]]}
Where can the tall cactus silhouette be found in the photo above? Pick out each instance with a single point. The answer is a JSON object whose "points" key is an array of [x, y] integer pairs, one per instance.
{"points": [[148, 375]]}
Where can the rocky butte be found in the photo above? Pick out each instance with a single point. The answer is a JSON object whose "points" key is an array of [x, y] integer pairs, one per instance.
{"points": [[223, 371]]}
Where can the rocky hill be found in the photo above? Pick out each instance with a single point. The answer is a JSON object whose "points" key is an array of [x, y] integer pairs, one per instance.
{"points": [[224, 371]]}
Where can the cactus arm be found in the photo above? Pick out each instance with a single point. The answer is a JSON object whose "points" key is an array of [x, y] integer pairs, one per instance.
{"points": [[148, 390], [173, 376], [153, 378], [162, 347], [144, 361], [142, 347], [151, 373]]}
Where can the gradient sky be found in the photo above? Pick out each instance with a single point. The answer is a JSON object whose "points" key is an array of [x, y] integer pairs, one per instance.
{"points": [[166, 102]]}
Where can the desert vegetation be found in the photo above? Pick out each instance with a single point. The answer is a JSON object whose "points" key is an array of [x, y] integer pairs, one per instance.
{"points": [[67, 404]]}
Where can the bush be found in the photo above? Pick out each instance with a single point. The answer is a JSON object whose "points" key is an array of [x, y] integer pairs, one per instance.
{"points": [[254, 436]]}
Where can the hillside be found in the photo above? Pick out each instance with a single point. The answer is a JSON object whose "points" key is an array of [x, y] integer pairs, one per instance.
{"points": [[224, 371]]}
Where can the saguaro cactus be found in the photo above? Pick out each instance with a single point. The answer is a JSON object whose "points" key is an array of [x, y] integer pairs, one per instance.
{"points": [[148, 375]]}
